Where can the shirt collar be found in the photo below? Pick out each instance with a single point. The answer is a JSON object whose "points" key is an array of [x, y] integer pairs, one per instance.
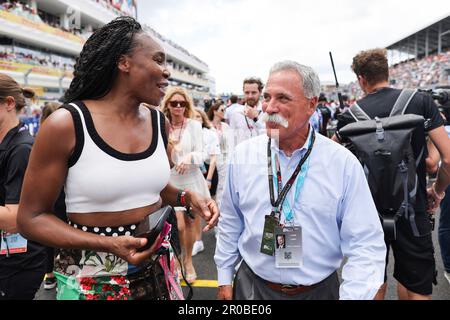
{"points": [[276, 147]]}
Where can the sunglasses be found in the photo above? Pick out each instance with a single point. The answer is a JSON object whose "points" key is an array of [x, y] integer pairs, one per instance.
{"points": [[178, 104]]}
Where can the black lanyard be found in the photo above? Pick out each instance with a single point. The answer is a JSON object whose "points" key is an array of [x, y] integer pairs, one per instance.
{"points": [[282, 194]]}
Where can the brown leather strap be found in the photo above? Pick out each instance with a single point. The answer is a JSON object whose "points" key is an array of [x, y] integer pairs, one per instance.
{"points": [[288, 289]]}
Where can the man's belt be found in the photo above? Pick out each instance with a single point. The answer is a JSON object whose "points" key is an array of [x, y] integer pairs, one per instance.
{"points": [[290, 290]]}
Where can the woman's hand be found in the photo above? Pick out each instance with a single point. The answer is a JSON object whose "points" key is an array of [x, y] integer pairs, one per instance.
{"points": [[127, 248], [184, 165], [206, 207]]}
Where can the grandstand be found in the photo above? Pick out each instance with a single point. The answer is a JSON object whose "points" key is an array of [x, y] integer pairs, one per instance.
{"points": [[40, 40], [419, 60], [422, 59]]}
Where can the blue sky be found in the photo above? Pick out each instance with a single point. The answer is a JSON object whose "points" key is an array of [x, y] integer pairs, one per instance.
{"points": [[241, 38]]}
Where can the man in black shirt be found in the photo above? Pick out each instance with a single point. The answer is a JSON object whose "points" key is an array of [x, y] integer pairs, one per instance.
{"points": [[414, 256], [326, 114], [22, 262]]}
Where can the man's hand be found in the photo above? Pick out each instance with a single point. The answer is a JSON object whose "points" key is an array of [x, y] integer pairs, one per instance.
{"points": [[251, 113], [205, 207], [184, 165], [434, 199], [225, 293]]}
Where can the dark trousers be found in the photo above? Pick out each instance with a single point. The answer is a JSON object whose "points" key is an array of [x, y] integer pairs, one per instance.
{"points": [[249, 286], [22, 285], [50, 260], [444, 230]]}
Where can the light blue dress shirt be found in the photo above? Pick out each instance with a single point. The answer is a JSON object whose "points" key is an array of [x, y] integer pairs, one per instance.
{"points": [[335, 210]]}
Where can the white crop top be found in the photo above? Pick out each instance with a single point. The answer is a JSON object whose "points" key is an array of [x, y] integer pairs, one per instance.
{"points": [[102, 179]]}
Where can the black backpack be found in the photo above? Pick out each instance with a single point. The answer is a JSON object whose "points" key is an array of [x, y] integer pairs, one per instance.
{"points": [[384, 148]]}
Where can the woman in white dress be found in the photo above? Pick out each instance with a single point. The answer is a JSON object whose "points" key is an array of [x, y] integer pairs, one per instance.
{"points": [[211, 150], [186, 141], [217, 115]]}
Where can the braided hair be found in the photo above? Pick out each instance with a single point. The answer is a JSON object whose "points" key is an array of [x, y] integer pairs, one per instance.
{"points": [[97, 66]]}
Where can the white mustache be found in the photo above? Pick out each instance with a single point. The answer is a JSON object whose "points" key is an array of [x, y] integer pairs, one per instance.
{"points": [[275, 118]]}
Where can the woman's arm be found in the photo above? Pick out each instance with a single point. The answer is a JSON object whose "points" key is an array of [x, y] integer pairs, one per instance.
{"points": [[212, 168], [213, 148], [8, 218], [207, 208]]}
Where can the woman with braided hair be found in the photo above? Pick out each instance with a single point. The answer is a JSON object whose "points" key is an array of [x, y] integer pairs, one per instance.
{"points": [[109, 153]]}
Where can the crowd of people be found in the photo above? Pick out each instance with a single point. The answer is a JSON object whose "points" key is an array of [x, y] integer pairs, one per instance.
{"points": [[21, 9], [123, 146], [26, 11], [42, 61], [424, 73], [120, 7]]}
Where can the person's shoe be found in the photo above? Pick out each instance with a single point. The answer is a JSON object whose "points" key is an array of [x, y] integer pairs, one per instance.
{"points": [[447, 276], [191, 277], [50, 283], [198, 247]]}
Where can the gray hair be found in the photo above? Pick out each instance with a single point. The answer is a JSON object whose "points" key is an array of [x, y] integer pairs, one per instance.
{"points": [[310, 79]]}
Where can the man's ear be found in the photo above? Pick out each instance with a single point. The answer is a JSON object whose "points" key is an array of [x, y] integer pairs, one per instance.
{"points": [[124, 64], [362, 81], [313, 105]]}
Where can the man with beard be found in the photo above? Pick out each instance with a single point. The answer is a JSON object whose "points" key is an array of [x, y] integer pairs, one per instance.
{"points": [[244, 120]]}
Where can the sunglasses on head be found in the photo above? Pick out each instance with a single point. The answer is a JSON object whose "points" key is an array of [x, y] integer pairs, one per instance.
{"points": [[178, 104]]}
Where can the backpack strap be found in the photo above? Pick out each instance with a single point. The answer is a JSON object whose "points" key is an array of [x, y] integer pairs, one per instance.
{"points": [[403, 102], [358, 113]]}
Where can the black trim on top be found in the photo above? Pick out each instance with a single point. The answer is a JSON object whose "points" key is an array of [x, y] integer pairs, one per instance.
{"points": [[162, 123], [113, 152], [79, 135]]}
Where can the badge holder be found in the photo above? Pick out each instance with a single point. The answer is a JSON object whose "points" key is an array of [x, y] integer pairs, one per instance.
{"points": [[12, 244], [268, 243], [288, 247]]}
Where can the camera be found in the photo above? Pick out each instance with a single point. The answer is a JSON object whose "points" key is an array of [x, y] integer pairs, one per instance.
{"points": [[442, 96]]}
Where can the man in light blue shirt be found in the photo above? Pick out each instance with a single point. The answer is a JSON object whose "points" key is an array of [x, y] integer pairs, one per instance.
{"points": [[325, 211]]}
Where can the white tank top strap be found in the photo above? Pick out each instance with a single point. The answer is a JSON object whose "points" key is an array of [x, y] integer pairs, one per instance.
{"points": [[83, 120], [163, 129]]}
